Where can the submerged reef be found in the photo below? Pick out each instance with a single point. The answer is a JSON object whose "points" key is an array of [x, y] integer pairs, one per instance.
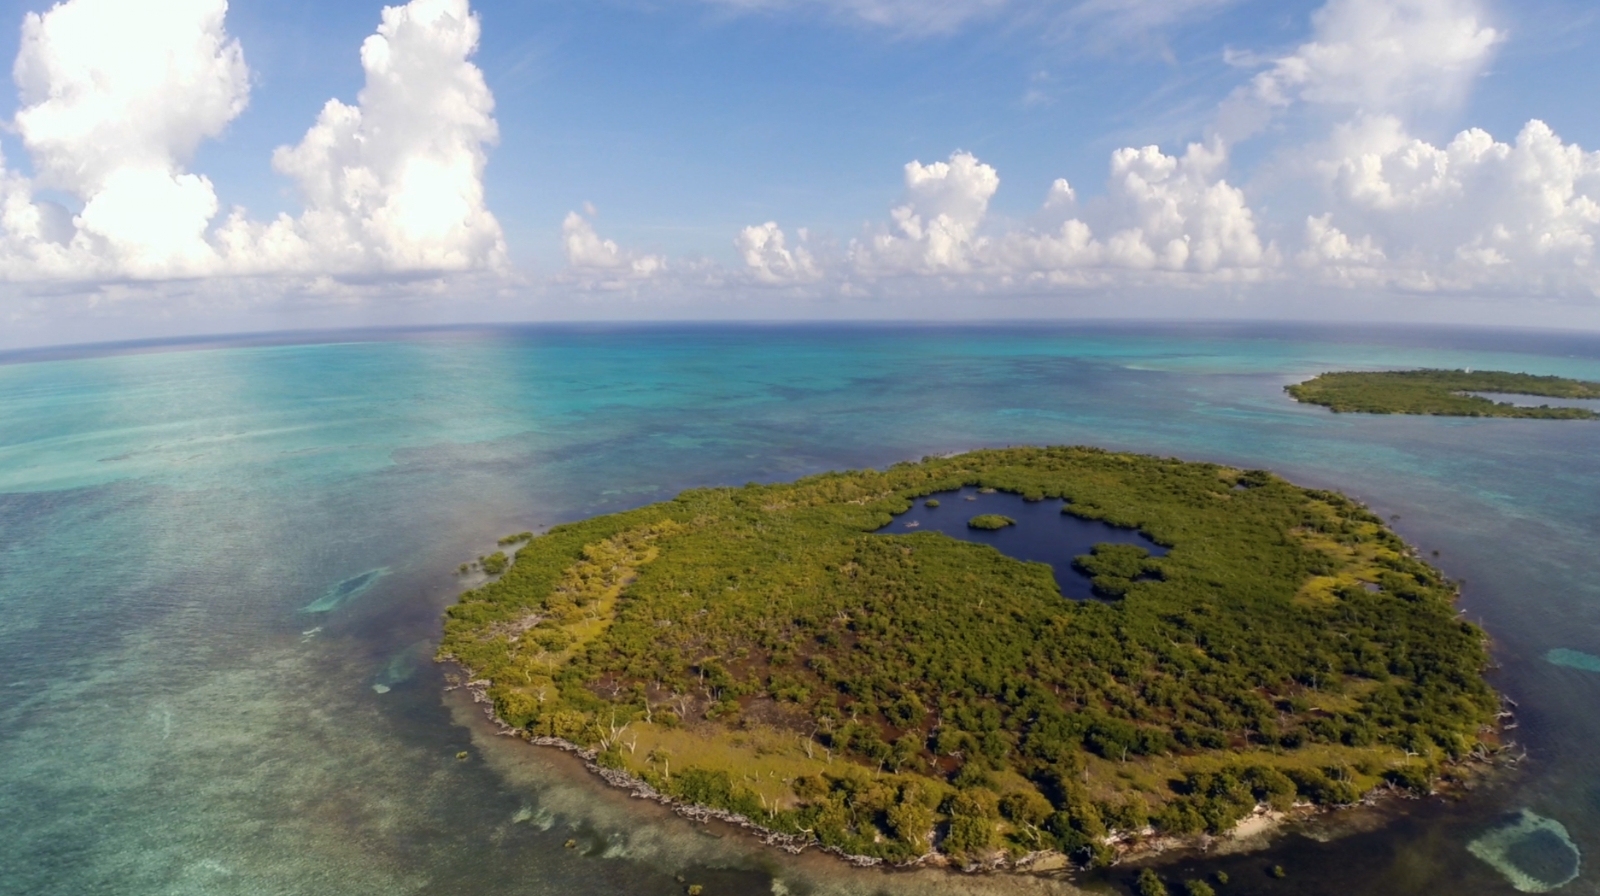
{"points": [[1575, 659], [1534, 853], [340, 593]]}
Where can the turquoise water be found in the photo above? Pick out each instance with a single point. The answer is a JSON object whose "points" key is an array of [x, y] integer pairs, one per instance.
{"points": [[176, 718]]}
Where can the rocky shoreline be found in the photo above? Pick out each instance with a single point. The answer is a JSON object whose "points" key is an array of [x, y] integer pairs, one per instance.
{"points": [[1249, 834], [641, 789]]}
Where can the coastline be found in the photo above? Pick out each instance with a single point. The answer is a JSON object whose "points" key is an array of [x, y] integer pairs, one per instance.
{"points": [[1253, 833], [1187, 788]]}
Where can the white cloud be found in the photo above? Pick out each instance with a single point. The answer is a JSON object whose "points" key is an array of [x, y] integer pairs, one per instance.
{"points": [[1161, 212], [117, 96], [768, 257], [1170, 214], [394, 183], [590, 256], [1373, 55], [1070, 246], [936, 229], [1178, 213], [1473, 213], [1334, 257]]}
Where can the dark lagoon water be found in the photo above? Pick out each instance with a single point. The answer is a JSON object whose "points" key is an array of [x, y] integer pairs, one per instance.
{"points": [[222, 567], [1042, 532]]}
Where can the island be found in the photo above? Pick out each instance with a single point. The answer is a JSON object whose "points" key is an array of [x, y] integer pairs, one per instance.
{"points": [[1443, 393], [765, 654]]}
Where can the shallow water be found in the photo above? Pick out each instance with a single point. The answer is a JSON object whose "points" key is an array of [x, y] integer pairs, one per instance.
{"points": [[170, 722], [1041, 533]]}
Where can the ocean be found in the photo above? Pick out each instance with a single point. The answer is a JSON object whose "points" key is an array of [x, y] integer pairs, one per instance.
{"points": [[222, 566]]}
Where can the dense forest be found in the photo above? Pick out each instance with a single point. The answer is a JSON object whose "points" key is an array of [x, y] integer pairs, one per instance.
{"points": [[760, 650], [1443, 393]]}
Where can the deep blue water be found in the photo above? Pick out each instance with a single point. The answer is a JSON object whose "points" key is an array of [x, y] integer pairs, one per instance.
{"points": [[1041, 534], [175, 719]]}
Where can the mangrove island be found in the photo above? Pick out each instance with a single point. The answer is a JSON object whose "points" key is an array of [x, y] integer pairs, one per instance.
{"points": [[767, 653], [1443, 393]]}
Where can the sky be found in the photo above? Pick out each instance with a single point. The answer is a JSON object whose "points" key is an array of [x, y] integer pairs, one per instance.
{"points": [[198, 166]]}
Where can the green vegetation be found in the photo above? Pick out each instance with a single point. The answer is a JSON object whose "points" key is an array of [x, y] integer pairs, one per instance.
{"points": [[495, 563], [1441, 392], [1113, 568], [1149, 883], [761, 650], [931, 502], [990, 521]]}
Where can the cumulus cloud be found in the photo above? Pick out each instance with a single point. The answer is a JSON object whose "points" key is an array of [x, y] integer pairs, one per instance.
{"points": [[395, 182], [936, 228], [1473, 212], [769, 259], [116, 97], [1161, 212], [1328, 245], [1374, 55], [589, 256], [1471, 215], [1179, 212]]}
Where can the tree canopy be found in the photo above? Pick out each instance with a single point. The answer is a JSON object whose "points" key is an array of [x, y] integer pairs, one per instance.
{"points": [[1443, 393], [761, 650]]}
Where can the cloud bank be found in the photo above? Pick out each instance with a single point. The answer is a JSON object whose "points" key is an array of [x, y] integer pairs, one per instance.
{"points": [[116, 97], [1475, 215]]}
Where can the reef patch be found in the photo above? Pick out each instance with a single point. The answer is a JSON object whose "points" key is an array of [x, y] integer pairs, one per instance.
{"points": [[1535, 854], [345, 591], [1575, 659]]}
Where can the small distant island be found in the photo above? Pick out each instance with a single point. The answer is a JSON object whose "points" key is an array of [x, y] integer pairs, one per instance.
{"points": [[990, 521], [768, 655], [1443, 393]]}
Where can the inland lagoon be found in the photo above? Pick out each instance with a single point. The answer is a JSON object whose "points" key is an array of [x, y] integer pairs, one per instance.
{"points": [[172, 722], [1041, 531]]}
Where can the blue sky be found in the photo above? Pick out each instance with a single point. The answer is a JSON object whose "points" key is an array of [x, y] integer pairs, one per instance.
{"points": [[669, 127]]}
